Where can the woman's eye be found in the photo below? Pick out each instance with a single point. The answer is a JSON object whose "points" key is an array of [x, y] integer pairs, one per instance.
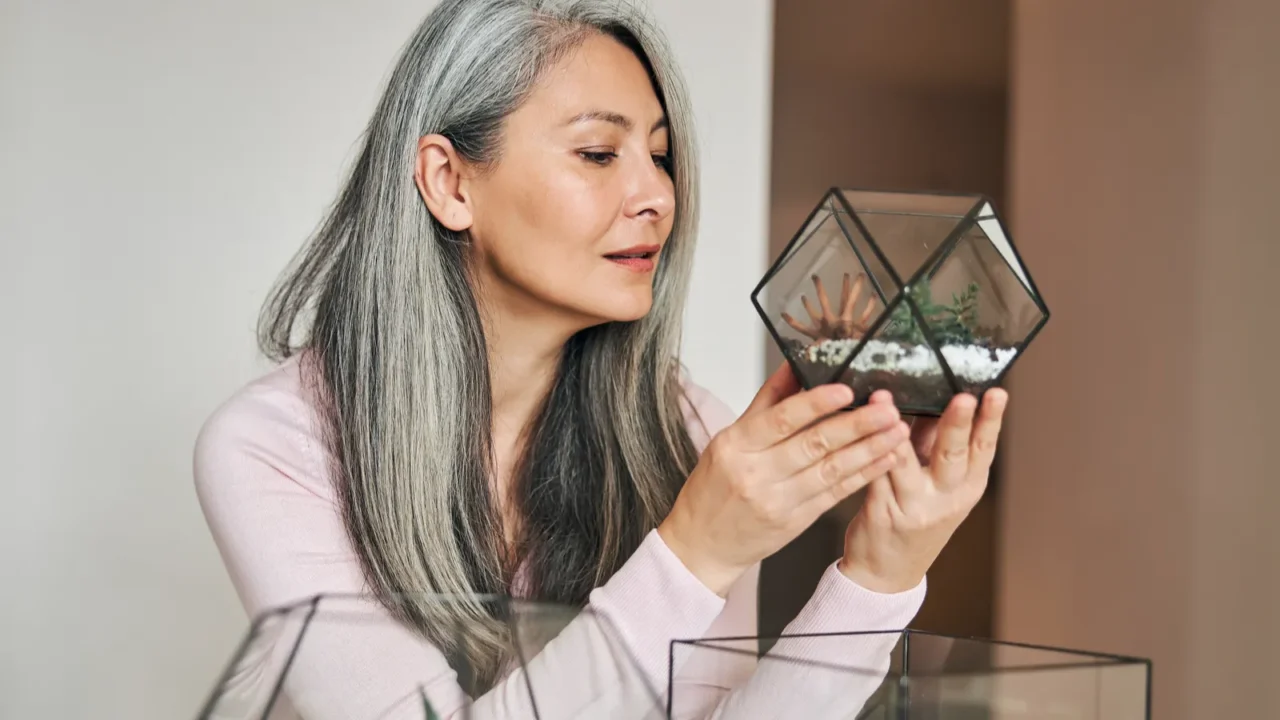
{"points": [[598, 157], [604, 157]]}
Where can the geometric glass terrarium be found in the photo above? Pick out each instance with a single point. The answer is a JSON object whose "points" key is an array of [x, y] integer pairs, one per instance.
{"points": [[922, 294], [343, 656], [915, 675]]}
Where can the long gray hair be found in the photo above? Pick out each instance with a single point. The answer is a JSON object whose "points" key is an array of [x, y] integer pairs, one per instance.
{"points": [[380, 302]]}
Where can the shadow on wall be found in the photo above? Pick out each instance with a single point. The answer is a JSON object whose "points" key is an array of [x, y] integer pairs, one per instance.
{"points": [[895, 96]]}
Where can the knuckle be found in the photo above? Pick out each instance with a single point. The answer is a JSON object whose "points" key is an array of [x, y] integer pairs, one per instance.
{"points": [[742, 473], [752, 468], [719, 447], [851, 483], [724, 453], [760, 504], [954, 454], [832, 496], [782, 423], [743, 490], [884, 442], [816, 445], [985, 445], [831, 471]]}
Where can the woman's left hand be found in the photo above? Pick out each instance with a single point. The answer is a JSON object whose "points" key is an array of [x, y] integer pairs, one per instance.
{"points": [[909, 514]]}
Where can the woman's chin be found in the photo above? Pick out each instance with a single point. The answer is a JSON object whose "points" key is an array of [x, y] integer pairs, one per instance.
{"points": [[627, 307]]}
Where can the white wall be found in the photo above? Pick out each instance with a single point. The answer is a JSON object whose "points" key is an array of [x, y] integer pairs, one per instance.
{"points": [[159, 162]]}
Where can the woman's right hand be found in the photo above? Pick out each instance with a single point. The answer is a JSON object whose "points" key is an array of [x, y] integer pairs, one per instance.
{"points": [[761, 481]]}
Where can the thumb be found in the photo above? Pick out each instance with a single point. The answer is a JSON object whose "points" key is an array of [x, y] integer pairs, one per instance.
{"points": [[781, 385]]}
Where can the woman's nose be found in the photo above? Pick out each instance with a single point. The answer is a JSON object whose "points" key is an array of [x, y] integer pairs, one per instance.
{"points": [[652, 194]]}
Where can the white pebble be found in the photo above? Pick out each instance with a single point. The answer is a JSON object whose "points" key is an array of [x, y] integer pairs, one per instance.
{"points": [[970, 362]]}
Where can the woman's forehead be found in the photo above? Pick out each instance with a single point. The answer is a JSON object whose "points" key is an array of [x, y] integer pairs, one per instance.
{"points": [[599, 81]]}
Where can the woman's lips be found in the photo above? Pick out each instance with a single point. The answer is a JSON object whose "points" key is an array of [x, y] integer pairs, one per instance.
{"points": [[638, 259], [640, 263]]}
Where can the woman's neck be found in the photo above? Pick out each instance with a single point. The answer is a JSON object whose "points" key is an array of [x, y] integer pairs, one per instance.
{"points": [[524, 350], [521, 371]]}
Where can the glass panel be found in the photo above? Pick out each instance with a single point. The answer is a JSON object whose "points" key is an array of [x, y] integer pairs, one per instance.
{"points": [[912, 676], [1099, 691], [877, 201], [818, 676], [819, 302], [990, 225], [345, 656], [967, 677], [979, 310], [820, 215], [899, 358], [881, 280], [1065, 693], [933, 654], [908, 241], [248, 687]]}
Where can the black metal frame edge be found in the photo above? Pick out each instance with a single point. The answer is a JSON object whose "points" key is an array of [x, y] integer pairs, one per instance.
{"points": [[774, 267], [1128, 659], [293, 653]]}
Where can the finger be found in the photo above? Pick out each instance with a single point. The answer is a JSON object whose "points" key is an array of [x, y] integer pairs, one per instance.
{"points": [[827, 316], [816, 444], [780, 385], [906, 476], [986, 432], [880, 497], [882, 396], [776, 422], [924, 432], [950, 459], [827, 492]]}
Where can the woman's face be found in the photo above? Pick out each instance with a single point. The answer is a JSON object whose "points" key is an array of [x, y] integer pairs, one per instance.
{"points": [[573, 216]]}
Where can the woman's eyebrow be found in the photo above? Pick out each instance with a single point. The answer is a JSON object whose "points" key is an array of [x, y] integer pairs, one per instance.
{"points": [[613, 118]]}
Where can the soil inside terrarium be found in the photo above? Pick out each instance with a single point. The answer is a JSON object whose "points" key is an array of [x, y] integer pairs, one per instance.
{"points": [[910, 371], [920, 392]]}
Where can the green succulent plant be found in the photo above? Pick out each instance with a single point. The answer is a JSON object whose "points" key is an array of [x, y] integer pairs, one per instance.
{"points": [[950, 324]]}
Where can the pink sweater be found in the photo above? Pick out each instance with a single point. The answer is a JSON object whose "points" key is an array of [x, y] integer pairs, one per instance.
{"points": [[261, 477]]}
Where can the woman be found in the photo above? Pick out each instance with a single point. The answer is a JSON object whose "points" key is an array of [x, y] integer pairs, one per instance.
{"points": [[486, 398]]}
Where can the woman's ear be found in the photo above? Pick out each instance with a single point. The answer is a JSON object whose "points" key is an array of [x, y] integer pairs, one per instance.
{"points": [[439, 175]]}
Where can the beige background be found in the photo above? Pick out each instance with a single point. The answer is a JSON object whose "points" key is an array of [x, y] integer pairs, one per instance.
{"points": [[1134, 146], [1139, 511]]}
